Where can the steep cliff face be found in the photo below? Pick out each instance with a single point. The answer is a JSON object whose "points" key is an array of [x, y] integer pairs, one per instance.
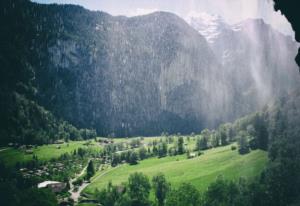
{"points": [[128, 76]]}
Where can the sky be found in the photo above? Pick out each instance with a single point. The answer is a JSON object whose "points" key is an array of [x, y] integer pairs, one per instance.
{"points": [[233, 11]]}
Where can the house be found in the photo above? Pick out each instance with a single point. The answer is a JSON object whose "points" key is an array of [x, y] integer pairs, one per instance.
{"points": [[192, 155], [59, 141], [53, 185]]}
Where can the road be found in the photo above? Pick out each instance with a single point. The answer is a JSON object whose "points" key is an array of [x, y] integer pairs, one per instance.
{"points": [[75, 195]]}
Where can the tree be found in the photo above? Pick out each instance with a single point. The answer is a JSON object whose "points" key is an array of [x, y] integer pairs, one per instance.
{"points": [[90, 171], [172, 151], [223, 134], [188, 153], [186, 195], [180, 146], [170, 139], [133, 158], [262, 136], [116, 159], [201, 143], [230, 132], [154, 150], [139, 189], [143, 153], [243, 142], [161, 188], [221, 192], [112, 195], [215, 139], [35, 197], [81, 152], [162, 149]]}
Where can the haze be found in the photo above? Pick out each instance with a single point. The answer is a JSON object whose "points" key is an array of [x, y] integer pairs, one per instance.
{"points": [[232, 11]]}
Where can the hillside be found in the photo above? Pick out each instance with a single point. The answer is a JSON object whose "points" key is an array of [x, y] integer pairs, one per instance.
{"points": [[200, 171]]}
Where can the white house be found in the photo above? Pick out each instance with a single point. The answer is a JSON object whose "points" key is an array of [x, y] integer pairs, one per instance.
{"points": [[53, 185]]}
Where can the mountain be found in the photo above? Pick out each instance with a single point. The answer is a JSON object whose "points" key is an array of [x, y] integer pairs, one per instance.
{"points": [[128, 76], [142, 75], [258, 59], [210, 26]]}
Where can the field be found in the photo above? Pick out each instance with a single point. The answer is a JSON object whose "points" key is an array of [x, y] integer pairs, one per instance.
{"points": [[200, 171], [11, 156]]}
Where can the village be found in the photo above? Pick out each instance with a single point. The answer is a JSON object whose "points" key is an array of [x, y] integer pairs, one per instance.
{"points": [[66, 175]]}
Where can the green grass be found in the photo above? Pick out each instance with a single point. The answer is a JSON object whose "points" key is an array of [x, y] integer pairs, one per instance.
{"points": [[200, 171], [46, 152]]}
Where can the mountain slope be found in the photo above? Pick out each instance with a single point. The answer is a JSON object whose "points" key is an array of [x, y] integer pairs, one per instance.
{"points": [[144, 75], [258, 60], [129, 76]]}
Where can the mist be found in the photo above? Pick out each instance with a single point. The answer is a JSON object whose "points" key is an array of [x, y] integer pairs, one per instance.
{"points": [[231, 11]]}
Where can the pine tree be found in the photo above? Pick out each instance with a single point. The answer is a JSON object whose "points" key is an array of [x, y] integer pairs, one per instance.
{"points": [[90, 171]]}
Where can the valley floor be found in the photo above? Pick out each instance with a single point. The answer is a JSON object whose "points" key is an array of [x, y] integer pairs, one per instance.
{"points": [[199, 171]]}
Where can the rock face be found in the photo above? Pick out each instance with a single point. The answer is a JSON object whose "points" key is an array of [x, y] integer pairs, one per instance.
{"points": [[130, 76], [148, 74], [291, 10]]}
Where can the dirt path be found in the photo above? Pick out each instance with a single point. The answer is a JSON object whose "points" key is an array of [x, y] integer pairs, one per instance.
{"points": [[96, 178], [75, 195]]}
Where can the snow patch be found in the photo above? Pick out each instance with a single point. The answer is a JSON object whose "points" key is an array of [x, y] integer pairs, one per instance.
{"points": [[206, 24]]}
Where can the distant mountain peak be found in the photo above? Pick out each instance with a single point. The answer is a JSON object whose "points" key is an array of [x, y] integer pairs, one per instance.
{"points": [[209, 25]]}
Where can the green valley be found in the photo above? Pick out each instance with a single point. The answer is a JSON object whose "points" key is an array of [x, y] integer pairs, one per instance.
{"points": [[199, 171]]}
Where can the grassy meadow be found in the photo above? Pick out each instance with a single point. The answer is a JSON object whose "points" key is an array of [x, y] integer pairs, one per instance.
{"points": [[199, 171], [11, 156]]}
